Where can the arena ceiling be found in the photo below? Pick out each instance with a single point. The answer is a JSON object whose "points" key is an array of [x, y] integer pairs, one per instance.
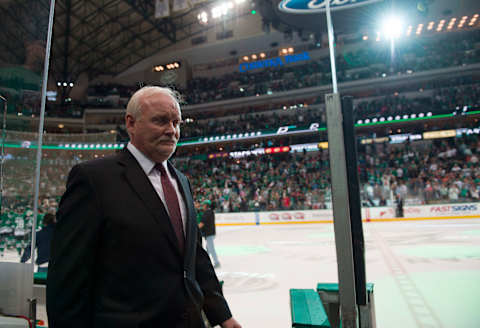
{"points": [[106, 37], [94, 36]]}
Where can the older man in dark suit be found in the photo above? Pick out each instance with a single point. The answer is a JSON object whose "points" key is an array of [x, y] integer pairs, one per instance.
{"points": [[126, 251]]}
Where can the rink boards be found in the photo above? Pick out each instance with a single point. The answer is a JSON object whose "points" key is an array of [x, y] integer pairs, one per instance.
{"points": [[418, 212]]}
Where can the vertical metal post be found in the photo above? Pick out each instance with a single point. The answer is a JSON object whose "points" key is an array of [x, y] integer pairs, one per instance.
{"points": [[354, 199], [66, 47], [32, 310], [331, 46], [40, 130], [4, 136], [341, 212]]}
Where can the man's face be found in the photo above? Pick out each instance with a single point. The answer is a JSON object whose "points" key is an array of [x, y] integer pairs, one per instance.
{"points": [[157, 129]]}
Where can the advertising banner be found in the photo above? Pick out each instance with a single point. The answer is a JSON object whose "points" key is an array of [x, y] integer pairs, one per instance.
{"points": [[240, 218], [425, 211], [421, 212], [274, 217], [299, 216]]}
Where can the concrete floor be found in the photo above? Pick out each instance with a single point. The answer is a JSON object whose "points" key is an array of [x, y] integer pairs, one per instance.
{"points": [[426, 273]]}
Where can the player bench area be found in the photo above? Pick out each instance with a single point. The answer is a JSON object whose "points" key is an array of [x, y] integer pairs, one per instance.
{"points": [[320, 308]]}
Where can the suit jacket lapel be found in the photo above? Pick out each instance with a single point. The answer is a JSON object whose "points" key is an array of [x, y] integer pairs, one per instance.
{"points": [[142, 186]]}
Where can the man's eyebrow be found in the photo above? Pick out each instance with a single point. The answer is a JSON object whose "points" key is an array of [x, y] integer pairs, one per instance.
{"points": [[167, 116]]}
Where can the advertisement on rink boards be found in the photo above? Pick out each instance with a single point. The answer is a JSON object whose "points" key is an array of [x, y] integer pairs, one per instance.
{"points": [[239, 218], [307, 216], [425, 212], [274, 217]]}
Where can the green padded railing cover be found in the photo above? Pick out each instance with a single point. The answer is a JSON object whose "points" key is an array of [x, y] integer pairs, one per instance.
{"points": [[307, 309], [40, 278], [333, 287]]}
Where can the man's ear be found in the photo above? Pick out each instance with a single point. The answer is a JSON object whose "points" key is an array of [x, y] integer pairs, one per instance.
{"points": [[129, 122]]}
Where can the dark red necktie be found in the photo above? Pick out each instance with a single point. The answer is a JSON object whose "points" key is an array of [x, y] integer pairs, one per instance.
{"points": [[173, 205]]}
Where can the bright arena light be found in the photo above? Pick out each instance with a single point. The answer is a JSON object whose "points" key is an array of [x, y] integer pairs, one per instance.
{"points": [[203, 17], [392, 27], [222, 9]]}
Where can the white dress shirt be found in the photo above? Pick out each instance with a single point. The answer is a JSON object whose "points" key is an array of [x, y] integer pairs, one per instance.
{"points": [[153, 175]]}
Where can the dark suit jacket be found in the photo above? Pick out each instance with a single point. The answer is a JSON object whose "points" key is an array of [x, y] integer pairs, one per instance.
{"points": [[42, 243], [115, 260]]}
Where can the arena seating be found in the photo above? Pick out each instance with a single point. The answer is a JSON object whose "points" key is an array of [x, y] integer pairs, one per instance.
{"points": [[365, 62], [423, 172], [436, 101], [426, 172], [445, 171]]}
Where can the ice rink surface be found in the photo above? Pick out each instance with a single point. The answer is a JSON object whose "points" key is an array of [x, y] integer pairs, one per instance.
{"points": [[426, 273]]}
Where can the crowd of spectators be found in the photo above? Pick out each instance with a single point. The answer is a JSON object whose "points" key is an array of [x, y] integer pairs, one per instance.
{"points": [[421, 172], [16, 207], [439, 171], [426, 172], [442, 101], [439, 101], [429, 172], [252, 122], [111, 89], [366, 62]]}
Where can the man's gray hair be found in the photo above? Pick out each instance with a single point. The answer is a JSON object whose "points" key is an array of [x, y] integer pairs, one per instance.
{"points": [[134, 104]]}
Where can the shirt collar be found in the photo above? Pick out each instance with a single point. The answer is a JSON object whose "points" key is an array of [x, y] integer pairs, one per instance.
{"points": [[146, 163]]}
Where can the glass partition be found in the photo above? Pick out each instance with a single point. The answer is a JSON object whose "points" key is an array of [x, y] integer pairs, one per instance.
{"points": [[23, 50]]}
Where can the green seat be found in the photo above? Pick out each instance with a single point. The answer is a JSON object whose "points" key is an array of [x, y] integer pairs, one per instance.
{"points": [[40, 278], [307, 309]]}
